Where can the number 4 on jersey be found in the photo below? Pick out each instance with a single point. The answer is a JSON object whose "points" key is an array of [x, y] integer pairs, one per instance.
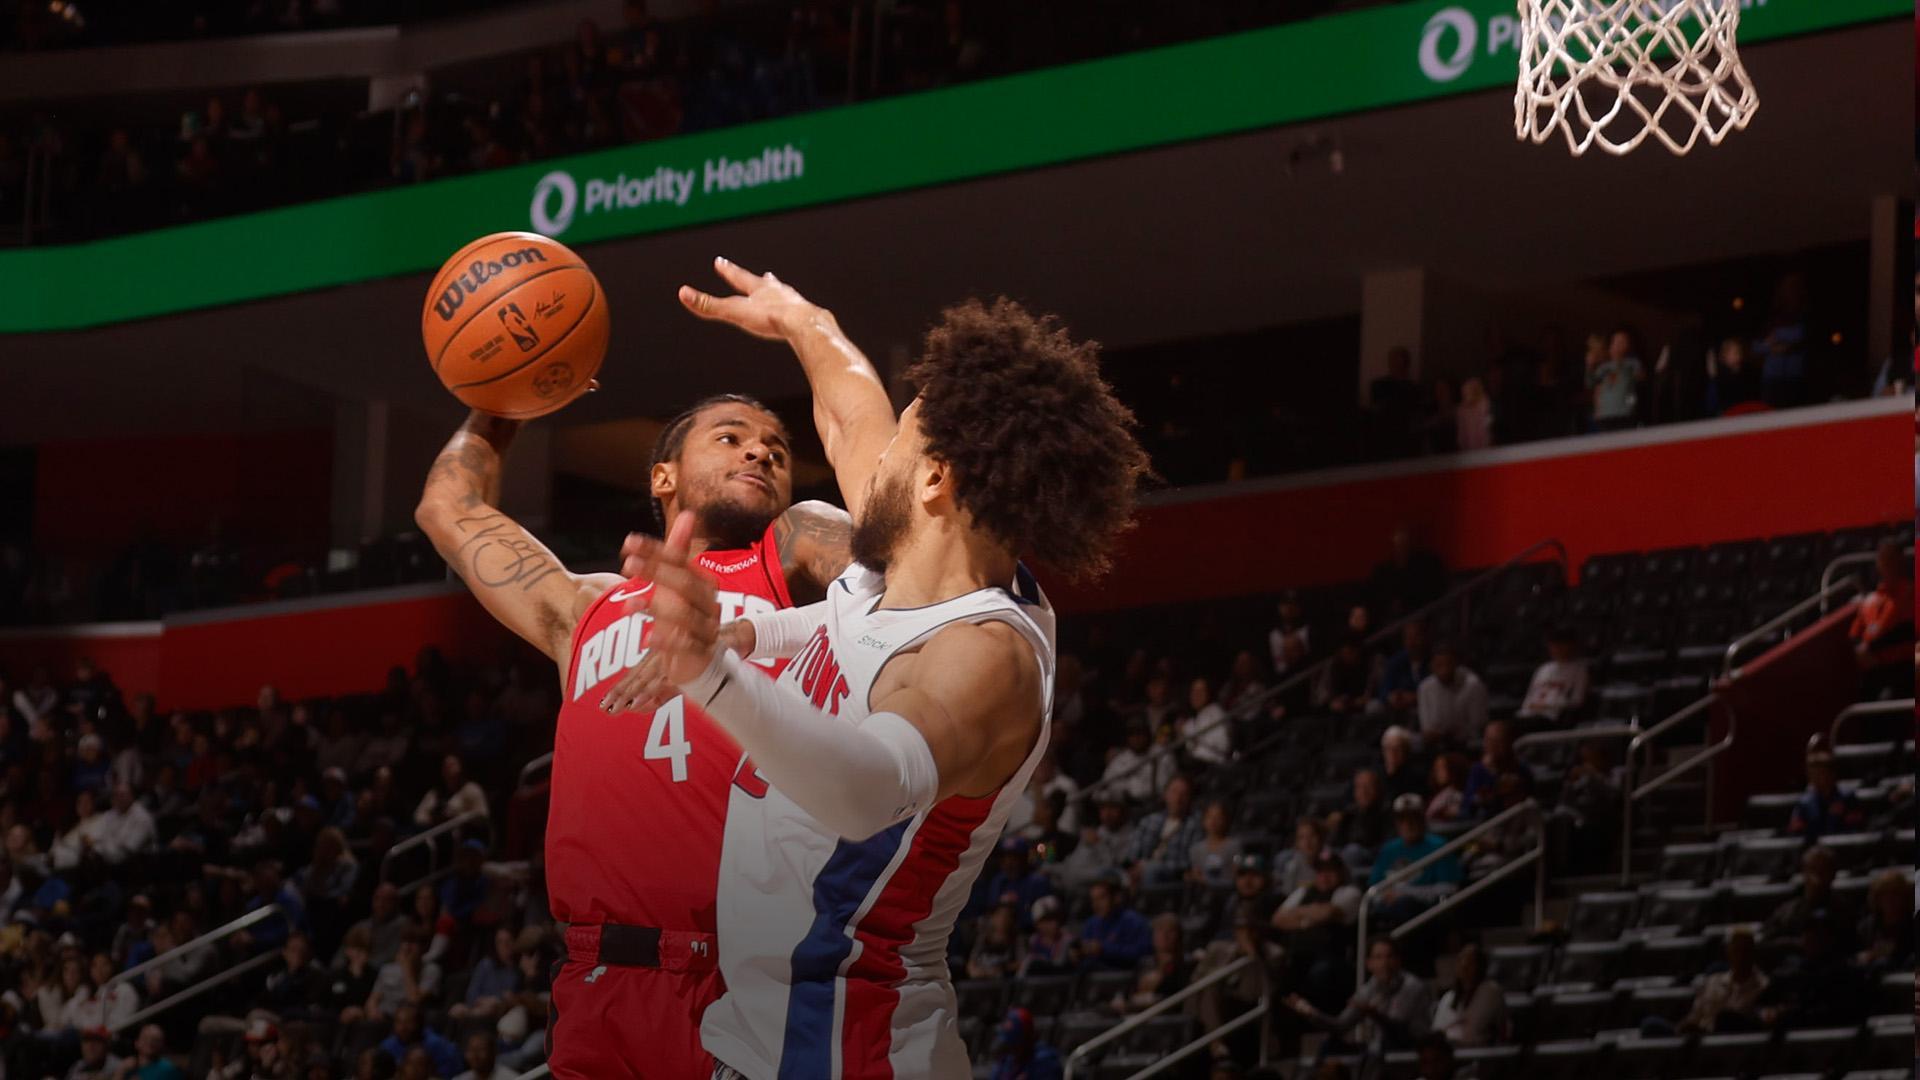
{"points": [[667, 738]]}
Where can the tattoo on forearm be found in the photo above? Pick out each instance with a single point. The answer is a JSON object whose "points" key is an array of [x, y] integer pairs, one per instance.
{"points": [[813, 542], [497, 554]]}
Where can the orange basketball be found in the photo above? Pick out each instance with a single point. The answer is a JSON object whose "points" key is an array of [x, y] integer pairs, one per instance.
{"points": [[515, 325]]}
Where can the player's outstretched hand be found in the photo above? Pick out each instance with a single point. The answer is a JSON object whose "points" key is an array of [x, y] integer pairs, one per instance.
{"points": [[682, 604], [766, 307]]}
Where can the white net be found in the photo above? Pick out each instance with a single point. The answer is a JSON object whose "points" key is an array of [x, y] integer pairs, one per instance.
{"points": [[1614, 73]]}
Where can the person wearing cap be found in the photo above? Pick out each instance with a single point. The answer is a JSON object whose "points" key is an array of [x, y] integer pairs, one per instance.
{"points": [[1452, 701], [97, 1061], [1164, 839], [1017, 882], [1115, 936], [1825, 807], [1403, 900], [1018, 1051], [1050, 946], [1103, 846], [1315, 922]]}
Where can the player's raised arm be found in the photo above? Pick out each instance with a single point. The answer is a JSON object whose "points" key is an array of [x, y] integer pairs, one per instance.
{"points": [[514, 576], [850, 405]]}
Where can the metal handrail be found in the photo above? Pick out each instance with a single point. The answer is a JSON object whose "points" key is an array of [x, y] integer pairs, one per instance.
{"points": [[199, 944], [1535, 857], [1139, 1019], [544, 761], [1631, 794], [1858, 558], [539, 1073], [1597, 731], [1247, 710], [1206, 1038], [1819, 599], [1865, 708], [425, 839]]}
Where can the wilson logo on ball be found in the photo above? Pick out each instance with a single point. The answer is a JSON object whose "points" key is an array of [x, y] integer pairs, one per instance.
{"points": [[478, 274]]}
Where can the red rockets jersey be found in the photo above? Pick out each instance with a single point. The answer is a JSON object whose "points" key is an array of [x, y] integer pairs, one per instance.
{"points": [[638, 801]]}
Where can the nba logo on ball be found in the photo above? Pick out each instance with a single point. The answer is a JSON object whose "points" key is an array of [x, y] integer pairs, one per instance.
{"points": [[517, 325]]}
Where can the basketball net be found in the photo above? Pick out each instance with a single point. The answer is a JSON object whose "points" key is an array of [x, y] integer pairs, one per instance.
{"points": [[1612, 73]]}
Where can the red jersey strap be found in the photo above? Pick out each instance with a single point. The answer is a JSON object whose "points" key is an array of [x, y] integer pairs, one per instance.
{"points": [[772, 565]]}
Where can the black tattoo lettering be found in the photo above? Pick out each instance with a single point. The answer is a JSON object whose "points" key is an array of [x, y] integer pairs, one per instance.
{"points": [[520, 560]]}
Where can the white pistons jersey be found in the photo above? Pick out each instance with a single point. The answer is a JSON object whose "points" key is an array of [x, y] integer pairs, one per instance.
{"points": [[834, 952]]}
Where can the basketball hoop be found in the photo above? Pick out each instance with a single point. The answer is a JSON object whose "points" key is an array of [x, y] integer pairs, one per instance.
{"points": [[1611, 73]]}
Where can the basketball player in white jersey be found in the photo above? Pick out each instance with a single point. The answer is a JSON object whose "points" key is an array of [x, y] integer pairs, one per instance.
{"points": [[915, 706]]}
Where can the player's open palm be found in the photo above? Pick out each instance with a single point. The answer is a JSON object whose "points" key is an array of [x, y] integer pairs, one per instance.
{"points": [[765, 307], [682, 605]]}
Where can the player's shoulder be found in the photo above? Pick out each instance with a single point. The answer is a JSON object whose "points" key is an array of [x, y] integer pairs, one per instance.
{"points": [[988, 645]]}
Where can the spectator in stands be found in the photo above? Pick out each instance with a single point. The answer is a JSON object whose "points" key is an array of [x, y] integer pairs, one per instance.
{"points": [[998, 952], [464, 890], [1436, 1058], [1211, 860], [268, 889], [455, 796], [1473, 417], [1315, 924], [1824, 808], [410, 1032], [1559, 688], [1886, 930], [1403, 900], [1452, 701], [482, 1063], [131, 942], [1291, 622], [1726, 1001], [1164, 971], [410, 979], [495, 979], [1050, 842], [1446, 794], [1391, 1010], [1138, 769], [350, 983], [1398, 773], [294, 983], [1399, 688], [1050, 947], [1818, 867], [1234, 996], [95, 1063], [1614, 375], [1733, 379], [1589, 808], [1411, 577], [1496, 760], [1103, 846], [1358, 830], [101, 1003], [1509, 840], [385, 926], [85, 839], [1164, 839], [149, 1060], [1473, 1012], [1115, 937], [1816, 986], [1206, 728], [1017, 883], [1244, 683], [1294, 867], [1018, 1051], [1882, 628], [1395, 400], [1341, 687], [1048, 781]]}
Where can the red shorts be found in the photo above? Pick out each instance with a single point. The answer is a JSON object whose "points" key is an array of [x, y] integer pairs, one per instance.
{"points": [[611, 1021]]}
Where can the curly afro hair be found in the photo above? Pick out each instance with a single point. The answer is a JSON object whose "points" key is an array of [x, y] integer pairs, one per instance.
{"points": [[1043, 455]]}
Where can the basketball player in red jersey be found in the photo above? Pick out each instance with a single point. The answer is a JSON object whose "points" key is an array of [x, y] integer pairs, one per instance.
{"points": [[638, 799]]}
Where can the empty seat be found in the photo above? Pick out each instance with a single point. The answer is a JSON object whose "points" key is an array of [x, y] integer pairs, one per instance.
{"points": [[1602, 572], [1729, 1055], [1772, 810], [1601, 916], [1687, 909], [1879, 1074], [1568, 1059], [1670, 1003], [1625, 703], [1675, 956], [1774, 859], [1687, 862], [1670, 565], [1728, 561], [1889, 1039], [1079, 1027], [1894, 994], [1517, 967], [1818, 1049], [1596, 962], [1864, 761], [1100, 987], [1638, 1058], [1489, 1062], [1573, 1015], [1754, 901], [1856, 852]]}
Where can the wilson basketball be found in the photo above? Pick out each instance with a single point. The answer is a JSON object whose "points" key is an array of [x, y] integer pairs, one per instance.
{"points": [[515, 325]]}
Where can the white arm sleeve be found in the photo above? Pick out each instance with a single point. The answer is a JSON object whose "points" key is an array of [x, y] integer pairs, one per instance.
{"points": [[855, 780], [780, 635]]}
